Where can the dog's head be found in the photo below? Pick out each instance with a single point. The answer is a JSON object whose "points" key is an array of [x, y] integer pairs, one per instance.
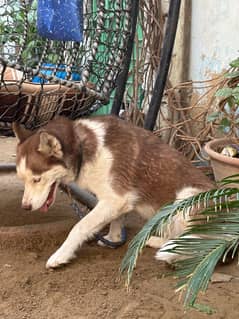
{"points": [[40, 165]]}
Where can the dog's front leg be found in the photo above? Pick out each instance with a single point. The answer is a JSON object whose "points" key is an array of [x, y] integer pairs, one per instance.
{"points": [[100, 216]]}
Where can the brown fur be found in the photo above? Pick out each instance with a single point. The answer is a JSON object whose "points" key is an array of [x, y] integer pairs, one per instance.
{"points": [[88, 142], [143, 162]]}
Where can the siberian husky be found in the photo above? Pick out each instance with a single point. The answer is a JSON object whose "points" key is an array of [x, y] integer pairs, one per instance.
{"points": [[126, 167]]}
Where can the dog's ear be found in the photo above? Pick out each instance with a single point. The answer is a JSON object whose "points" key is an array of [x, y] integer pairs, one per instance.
{"points": [[21, 132], [49, 145]]}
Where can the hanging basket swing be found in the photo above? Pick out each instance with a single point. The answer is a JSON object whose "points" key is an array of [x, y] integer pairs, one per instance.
{"points": [[50, 66]]}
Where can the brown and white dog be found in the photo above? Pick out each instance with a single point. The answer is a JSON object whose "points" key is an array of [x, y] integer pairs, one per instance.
{"points": [[126, 167]]}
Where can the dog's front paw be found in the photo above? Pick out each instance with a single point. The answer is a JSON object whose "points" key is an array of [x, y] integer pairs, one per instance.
{"points": [[59, 258]]}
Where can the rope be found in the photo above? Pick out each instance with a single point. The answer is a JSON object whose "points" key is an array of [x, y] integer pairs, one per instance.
{"points": [[79, 213]]}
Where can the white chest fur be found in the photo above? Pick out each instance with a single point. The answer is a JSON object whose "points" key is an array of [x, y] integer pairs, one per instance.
{"points": [[95, 174]]}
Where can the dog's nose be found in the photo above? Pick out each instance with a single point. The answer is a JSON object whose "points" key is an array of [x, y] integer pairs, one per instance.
{"points": [[26, 206]]}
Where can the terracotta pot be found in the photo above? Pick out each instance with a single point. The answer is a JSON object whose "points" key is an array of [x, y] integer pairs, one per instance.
{"points": [[222, 166]]}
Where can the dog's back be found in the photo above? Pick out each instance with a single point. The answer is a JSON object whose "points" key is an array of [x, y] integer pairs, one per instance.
{"points": [[140, 163]]}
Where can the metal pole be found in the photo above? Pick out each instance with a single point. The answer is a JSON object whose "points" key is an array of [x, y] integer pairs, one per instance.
{"points": [[161, 78], [7, 168], [123, 76], [80, 195]]}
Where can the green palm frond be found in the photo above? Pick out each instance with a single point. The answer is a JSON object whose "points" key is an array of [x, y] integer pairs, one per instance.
{"points": [[195, 272], [201, 257], [219, 228]]}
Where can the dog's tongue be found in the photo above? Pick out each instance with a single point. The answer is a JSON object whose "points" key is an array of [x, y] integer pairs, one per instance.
{"points": [[44, 208], [49, 199]]}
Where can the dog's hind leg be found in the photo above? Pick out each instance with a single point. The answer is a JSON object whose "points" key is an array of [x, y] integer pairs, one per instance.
{"points": [[115, 232], [155, 242], [177, 226], [103, 214]]}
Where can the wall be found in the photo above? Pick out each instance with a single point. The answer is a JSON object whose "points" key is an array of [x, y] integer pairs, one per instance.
{"points": [[214, 37]]}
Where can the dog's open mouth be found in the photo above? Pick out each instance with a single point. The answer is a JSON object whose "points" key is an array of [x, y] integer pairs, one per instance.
{"points": [[50, 198]]}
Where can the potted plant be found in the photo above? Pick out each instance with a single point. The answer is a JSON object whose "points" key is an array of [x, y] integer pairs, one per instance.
{"points": [[224, 150]]}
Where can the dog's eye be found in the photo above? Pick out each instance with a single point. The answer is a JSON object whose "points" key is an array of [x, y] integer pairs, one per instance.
{"points": [[36, 179]]}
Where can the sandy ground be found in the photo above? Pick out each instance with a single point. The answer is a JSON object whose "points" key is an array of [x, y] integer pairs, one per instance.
{"points": [[90, 287]]}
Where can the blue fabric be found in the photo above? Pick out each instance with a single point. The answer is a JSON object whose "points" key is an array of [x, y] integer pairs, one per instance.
{"points": [[60, 19], [59, 74]]}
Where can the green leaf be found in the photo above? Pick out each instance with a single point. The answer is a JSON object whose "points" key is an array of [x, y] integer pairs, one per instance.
{"points": [[203, 308], [229, 180], [225, 124], [222, 236], [210, 251], [235, 93], [231, 101], [153, 226], [213, 116], [235, 63], [224, 92], [231, 75]]}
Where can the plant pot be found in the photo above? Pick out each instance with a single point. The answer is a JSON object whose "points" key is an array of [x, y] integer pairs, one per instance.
{"points": [[222, 166]]}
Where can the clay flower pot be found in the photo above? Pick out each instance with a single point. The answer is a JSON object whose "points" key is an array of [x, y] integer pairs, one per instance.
{"points": [[222, 166]]}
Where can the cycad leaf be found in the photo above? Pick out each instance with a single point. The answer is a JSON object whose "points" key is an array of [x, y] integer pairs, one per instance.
{"points": [[156, 225], [200, 278], [219, 217], [194, 273], [153, 226]]}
